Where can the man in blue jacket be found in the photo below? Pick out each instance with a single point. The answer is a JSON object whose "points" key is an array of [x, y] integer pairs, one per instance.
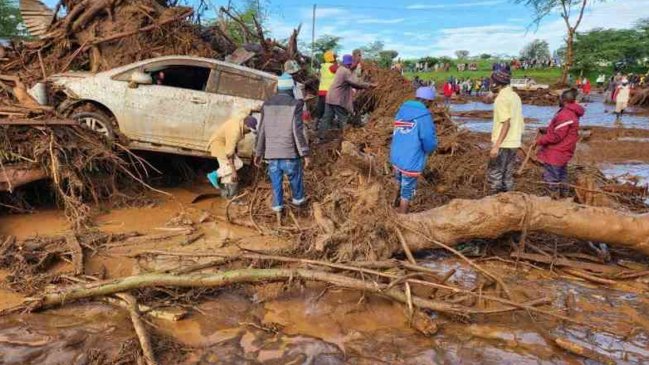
{"points": [[414, 138]]}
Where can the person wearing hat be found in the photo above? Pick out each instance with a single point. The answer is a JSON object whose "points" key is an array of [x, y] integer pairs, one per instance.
{"points": [[413, 139], [507, 132], [340, 103], [292, 68], [327, 73], [223, 146], [282, 144], [622, 96]]}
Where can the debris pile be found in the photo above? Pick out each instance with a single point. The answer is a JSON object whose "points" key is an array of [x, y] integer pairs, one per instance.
{"points": [[100, 35], [351, 180], [539, 97], [640, 98]]}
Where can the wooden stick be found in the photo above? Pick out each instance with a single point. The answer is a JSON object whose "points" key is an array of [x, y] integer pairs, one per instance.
{"points": [[404, 244], [140, 329], [528, 156]]}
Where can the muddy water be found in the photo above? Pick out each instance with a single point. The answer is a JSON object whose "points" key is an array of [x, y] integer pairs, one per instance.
{"points": [[305, 326], [597, 114], [313, 324]]}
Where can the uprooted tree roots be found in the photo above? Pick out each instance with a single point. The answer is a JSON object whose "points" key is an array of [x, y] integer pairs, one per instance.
{"points": [[81, 165]]}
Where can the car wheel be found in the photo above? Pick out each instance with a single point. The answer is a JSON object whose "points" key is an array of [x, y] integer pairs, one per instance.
{"points": [[97, 122]]}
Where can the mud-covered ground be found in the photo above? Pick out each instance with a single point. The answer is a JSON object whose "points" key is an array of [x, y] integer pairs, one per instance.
{"points": [[314, 324], [318, 324]]}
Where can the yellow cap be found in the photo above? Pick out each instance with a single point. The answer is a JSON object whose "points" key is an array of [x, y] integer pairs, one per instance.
{"points": [[329, 56]]}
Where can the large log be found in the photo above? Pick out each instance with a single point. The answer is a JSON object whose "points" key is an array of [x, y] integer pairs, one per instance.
{"points": [[494, 216]]}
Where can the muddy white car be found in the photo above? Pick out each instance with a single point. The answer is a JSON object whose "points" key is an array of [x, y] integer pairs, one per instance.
{"points": [[168, 104], [528, 84]]}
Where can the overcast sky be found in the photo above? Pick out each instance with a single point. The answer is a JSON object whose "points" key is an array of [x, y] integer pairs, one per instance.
{"points": [[417, 28]]}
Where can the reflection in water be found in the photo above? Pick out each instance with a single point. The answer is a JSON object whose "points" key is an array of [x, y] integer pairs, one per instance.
{"points": [[597, 114]]}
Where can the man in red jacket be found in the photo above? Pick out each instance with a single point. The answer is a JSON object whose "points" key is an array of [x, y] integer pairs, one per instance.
{"points": [[558, 144]]}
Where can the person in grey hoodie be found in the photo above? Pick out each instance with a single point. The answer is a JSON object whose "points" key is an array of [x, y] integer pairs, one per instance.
{"points": [[282, 144]]}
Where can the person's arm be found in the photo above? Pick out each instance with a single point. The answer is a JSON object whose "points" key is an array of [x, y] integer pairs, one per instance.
{"points": [[556, 133], [427, 134], [298, 132], [260, 148], [356, 84], [504, 131]]}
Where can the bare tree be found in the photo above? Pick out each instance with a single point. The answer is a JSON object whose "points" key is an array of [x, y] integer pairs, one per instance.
{"points": [[566, 8]]}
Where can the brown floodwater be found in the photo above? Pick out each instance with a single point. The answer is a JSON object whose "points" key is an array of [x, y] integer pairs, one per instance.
{"points": [[309, 323]]}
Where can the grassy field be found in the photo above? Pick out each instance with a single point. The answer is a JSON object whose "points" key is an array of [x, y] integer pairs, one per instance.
{"points": [[542, 76]]}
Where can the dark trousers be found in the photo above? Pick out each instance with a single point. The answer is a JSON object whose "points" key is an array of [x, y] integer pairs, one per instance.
{"points": [[557, 178], [333, 112], [320, 108], [500, 174]]}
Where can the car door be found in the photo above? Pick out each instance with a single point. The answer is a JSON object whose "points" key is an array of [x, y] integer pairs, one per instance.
{"points": [[236, 94], [168, 115]]}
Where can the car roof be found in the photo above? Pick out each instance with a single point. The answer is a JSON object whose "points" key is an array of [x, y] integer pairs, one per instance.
{"points": [[190, 60]]}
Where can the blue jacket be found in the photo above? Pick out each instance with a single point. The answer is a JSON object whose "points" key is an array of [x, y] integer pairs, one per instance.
{"points": [[414, 138]]}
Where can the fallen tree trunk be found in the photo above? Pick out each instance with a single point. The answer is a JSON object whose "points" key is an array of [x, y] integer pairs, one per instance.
{"points": [[221, 279], [494, 216]]}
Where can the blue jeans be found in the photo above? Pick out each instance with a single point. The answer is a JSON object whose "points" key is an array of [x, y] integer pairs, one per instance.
{"points": [[293, 170], [407, 185]]}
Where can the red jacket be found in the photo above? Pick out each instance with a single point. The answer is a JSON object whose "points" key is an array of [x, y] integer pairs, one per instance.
{"points": [[586, 87], [448, 89], [559, 143]]}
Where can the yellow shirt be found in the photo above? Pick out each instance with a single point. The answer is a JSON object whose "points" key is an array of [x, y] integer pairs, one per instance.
{"points": [[508, 106], [224, 141]]}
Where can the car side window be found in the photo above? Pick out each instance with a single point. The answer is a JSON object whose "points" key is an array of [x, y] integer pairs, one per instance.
{"points": [[183, 77], [236, 84]]}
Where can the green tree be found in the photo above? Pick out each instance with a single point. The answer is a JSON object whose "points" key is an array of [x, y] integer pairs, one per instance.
{"points": [[536, 49], [10, 19], [485, 56], [325, 43], [601, 48], [373, 50], [462, 54], [386, 57], [565, 8], [244, 30]]}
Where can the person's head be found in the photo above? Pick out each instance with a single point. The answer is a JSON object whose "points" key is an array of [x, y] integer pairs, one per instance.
{"points": [[569, 96], [285, 84], [330, 56], [425, 94], [291, 67], [625, 81], [357, 55], [250, 124], [348, 60], [500, 78]]}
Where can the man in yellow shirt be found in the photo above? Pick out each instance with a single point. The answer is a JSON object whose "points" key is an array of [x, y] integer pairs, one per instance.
{"points": [[507, 132], [223, 146]]}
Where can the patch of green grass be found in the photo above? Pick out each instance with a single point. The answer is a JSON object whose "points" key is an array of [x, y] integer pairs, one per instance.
{"points": [[542, 76]]}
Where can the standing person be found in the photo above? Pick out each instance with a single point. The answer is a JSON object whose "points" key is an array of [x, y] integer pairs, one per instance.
{"points": [[558, 144], [340, 103], [327, 72], [413, 139], [586, 88], [622, 100], [282, 144], [507, 132], [600, 80], [223, 146], [292, 68], [448, 91], [357, 64]]}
